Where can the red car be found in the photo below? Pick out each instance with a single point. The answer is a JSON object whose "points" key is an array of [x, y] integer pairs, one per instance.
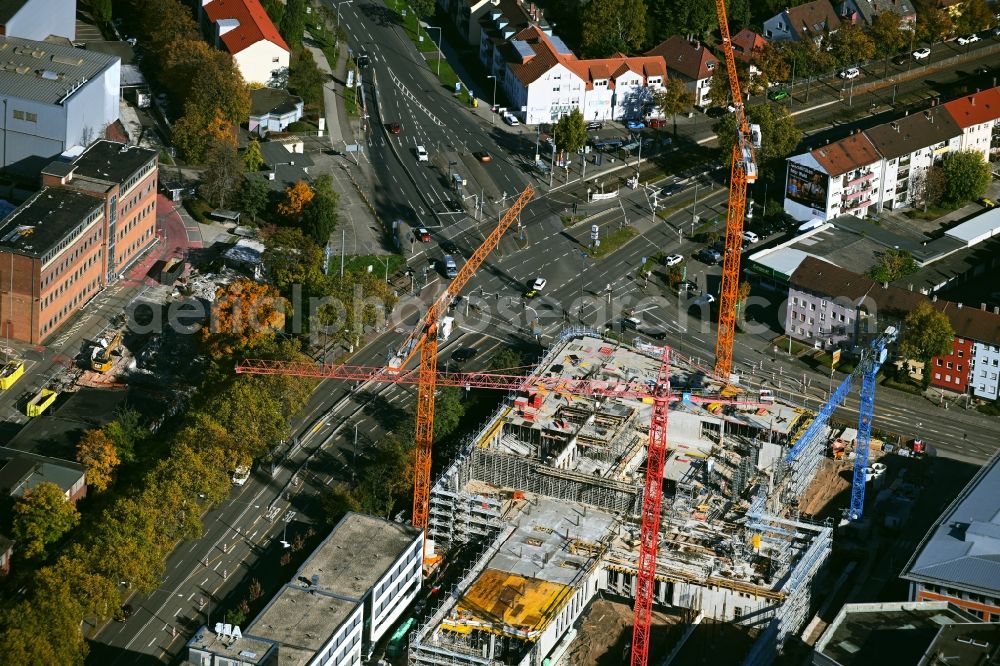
{"points": [[657, 122], [396, 128], [423, 235]]}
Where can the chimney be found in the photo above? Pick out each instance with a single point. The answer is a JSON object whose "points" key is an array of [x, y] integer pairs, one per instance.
{"points": [[934, 298], [959, 305]]}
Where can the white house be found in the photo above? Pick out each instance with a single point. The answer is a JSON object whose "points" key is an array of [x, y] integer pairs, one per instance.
{"points": [[38, 19], [245, 30], [620, 88], [691, 61], [55, 98], [835, 179], [976, 115], [273, 110]]}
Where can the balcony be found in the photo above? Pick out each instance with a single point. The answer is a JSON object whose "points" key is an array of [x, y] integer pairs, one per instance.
{"points": [[866, 175], [856, 204]]}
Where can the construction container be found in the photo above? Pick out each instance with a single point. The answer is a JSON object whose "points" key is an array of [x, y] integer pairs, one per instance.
{"points": [[41, 401], [11, 372]]}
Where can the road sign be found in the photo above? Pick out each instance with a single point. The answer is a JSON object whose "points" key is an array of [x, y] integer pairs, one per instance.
{"points": [[835, 358], [595, 232]]}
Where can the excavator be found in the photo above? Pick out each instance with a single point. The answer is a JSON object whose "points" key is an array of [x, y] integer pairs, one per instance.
{"points": [[101, 358]]}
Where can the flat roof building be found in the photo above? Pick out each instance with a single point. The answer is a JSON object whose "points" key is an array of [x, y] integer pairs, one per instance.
{"points": [[343, 599], [958, 560]]}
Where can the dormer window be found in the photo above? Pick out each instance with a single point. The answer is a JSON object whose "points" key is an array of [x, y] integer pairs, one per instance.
{"points": [[710, 66], [601, 83]]}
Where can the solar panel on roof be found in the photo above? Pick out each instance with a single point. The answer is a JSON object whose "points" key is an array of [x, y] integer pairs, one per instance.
{"points": [[523, 48], [560, 46]]}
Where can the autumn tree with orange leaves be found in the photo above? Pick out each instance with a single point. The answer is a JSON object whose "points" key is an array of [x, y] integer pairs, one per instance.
{"points": [[98, 455], [297, 197], [245, 315]]}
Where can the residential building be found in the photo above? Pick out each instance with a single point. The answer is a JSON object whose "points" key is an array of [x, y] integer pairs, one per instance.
{"points": [[976, 115], [909, 146], [125, 179], [692, 61], [285, 163], [545, 80], [841, 178], [21, 471], [747, 46], [958, 560], [812, 20], [922, 633], [863, 12], [343, 600], [273, 110], [38, 19], [953, 371], [244, 29], [984, 369], [56, 98], [498, 26]]}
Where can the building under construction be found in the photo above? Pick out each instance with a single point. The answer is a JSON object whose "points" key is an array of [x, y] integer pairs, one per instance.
{"points": [[550, 490]]}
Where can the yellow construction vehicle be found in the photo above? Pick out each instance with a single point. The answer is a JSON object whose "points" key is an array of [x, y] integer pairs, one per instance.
{"points": [[100, 358]]}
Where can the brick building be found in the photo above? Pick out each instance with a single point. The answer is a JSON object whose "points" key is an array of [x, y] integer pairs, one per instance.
{"points": [[92, 218]]}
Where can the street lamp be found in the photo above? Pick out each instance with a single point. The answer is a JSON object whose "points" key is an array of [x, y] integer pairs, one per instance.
{"points": [[342, 2], [431, 27], [493, 109]]}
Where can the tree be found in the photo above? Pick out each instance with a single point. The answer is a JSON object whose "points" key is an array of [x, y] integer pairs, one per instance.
{"points": [[304, 77], [570, 132], [887, 34], [275, 10], [253, 158], [223, 172], [892, 265], [293, 23], [101, 9], [976, 15], [297, 197], [293, 258], [253, 197], [850, 45], [926, 333], [508, 359], [319, 217], [613, 26], [126, 432], [448, 411], [967, 176], [388, 478], [673, 99], [780, 135], [806, 58], [929, 186], [773, 64], [245, 315], [935, 25], [41, 516], [337, 502], [97, 453], [422, 7]]}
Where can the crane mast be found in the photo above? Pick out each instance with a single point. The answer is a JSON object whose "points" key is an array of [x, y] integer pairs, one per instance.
{"points": [[742, 171]]}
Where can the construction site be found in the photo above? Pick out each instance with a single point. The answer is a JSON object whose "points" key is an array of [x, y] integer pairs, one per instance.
{"points": [[550, 490]]}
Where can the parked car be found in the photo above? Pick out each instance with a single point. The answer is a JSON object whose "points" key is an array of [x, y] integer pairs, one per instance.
{"points": [[657, 122], [510, 119], [750, 237], [635, 124], [464, 354], [672, 260], [968, 39], [594, 125], [421, 154], [539, 283], [849, 73], [778, 95], [709, 256], [920, 54], [670, 190], [483, 156], [704, 299], [687, 287], [530, 294], [423, 235]]}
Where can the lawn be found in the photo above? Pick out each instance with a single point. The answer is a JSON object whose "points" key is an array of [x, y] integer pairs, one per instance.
{"points": [[613, 241], [351, 101], [782, 344], [360, 263], [906, 385], [932, 212]]}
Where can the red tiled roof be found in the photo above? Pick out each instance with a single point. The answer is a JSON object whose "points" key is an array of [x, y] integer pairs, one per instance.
{"points": [[254, 24], [691, 59], [545, 57], [849, 153], [812, 18], [613, 68], [745, 42], [975, 109]]}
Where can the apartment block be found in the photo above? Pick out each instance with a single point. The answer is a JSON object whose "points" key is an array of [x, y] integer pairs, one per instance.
{"points": [[837, 179], [343, 600], [125, 178], [976, 115]]}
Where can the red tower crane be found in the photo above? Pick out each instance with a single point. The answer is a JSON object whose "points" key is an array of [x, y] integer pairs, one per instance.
{"points": [[742, 171]]}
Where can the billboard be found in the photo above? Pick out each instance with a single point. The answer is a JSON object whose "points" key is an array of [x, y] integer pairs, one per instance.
{"points": [[806, 186]]}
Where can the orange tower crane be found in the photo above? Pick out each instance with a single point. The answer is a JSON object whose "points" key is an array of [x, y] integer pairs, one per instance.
{"points": [[743, 171], [424, 338]]}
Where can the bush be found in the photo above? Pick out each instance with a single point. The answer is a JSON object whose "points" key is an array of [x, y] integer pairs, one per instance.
{"points": [[198, 209]]}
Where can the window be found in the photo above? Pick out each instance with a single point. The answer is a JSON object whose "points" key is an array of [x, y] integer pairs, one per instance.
{"points": [[939, 362], [18, 115], [957, 379], [949, 365], [31, 117], [947, 378], [937, 375], [274, 60], [812, 306], [959, 367], [961, 353]]}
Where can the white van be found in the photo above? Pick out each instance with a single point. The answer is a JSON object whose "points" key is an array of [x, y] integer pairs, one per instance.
{"points": [[241, 475], [450, 267]]}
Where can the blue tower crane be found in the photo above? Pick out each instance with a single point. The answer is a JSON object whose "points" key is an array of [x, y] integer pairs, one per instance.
{"points": [[871, 360]]}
